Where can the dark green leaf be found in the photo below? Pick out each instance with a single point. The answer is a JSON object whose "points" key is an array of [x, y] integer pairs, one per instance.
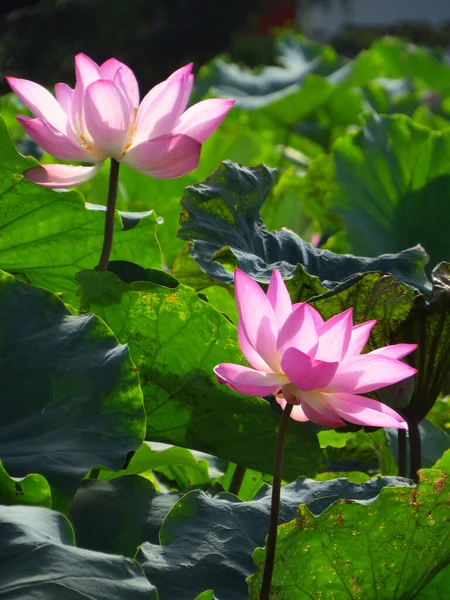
{"points": [[434, 443], [221, 219], [428, 325], [39, 560], [117, 516], [388, 549], [71, 394], [227, 528]]}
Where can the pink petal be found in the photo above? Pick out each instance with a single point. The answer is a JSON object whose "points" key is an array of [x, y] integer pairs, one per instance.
{"points": [[279, 298], [334, 336], [359, 337], [247, 381], [162, 106], [305, 372], [364, 411], [39, 101], [368, 372], [189, 83], [319, 412], [53, 141], [165, 157], [299, 331], [395, 351], [86, 70], [314, 313], [257, 318], [249, 352], [109, 117], [116, 71], [64, 95], [202, 119], [61, 176], [297, 411]]}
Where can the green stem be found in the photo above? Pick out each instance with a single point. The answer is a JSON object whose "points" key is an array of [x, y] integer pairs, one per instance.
{"points": [[110, 213], [275, 506], [415, 448], [237, 479], [402, 453]]}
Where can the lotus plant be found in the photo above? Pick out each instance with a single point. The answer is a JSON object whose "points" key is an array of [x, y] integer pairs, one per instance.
{"points": [[315, 369], [103, 117]]}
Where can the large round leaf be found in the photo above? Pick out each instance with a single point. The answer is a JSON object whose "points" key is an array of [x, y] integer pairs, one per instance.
{"points": [[221, 220], [39, 560], [213, 538], [388, 550], [71, 396]]}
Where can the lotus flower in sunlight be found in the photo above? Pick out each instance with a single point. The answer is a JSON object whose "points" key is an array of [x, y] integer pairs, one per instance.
{"points": [[102, 117], [315, 365]]}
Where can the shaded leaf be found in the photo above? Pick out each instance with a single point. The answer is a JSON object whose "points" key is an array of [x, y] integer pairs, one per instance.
{"points": [[39, 560], [221, 219], [428, 325], [117, 516], [227, 528], [434, 443], [80, 403]]}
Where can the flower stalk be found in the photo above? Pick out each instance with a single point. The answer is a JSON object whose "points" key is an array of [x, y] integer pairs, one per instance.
{"points": [[275, 505], [415, 448], [402, 454], [109, 218]]}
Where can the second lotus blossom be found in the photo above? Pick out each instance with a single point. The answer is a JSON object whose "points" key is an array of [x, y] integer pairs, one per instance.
{"points": [[316, 365], [103, 117]]}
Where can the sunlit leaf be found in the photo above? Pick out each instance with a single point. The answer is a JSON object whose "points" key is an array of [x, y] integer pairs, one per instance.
{"points": [[176, 339], [392, 547]]}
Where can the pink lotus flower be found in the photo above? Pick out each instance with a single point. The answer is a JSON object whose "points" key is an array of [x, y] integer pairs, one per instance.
{"points": [[315, 365], [102, 118]]}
